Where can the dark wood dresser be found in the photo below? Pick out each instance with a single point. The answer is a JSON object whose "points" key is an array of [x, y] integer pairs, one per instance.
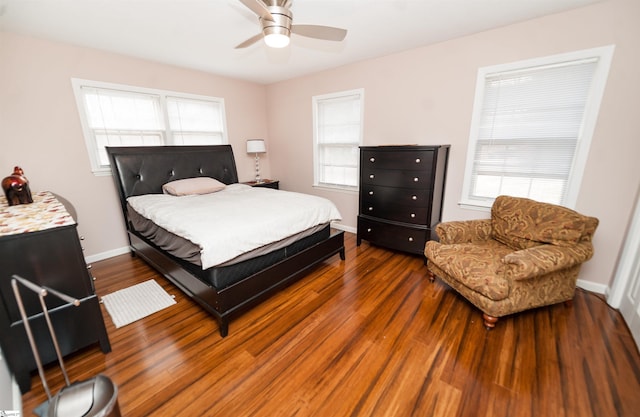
{"points": [[401, 192], [40, 243]]}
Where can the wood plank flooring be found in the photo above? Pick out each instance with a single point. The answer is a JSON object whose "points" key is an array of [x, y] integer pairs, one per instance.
{"points": [[369, 336]]}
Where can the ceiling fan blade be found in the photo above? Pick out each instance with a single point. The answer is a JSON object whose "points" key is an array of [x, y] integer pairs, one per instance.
{"points": [[250, 41], [258, 8], [326, 33]]}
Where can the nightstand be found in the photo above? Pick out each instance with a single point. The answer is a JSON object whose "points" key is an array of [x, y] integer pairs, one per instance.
{"points": [[265, 184]]}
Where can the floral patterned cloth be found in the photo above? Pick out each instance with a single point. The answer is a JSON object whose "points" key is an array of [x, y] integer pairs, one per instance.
{"points": [[46, 212], [527, 255]]}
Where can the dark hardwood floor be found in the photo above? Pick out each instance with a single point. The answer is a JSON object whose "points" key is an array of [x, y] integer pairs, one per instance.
{"points": [[369, 336]]}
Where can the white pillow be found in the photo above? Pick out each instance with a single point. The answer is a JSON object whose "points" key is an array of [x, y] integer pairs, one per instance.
{"points": [[190, 186]]}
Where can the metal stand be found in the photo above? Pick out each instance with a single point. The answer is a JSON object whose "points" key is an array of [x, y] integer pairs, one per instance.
{"points": [[95, 397]]}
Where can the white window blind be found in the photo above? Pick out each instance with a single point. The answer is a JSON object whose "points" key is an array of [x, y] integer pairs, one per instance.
{"points": [[118, 118], [338, 132], [529, 125], [117, 115], [195, 122]]}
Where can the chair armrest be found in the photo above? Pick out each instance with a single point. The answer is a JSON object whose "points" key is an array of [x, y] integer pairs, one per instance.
{"points": [[467, 231], [543, 259]]}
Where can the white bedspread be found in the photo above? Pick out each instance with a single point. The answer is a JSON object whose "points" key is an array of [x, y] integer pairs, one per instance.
{"points": [[235, 220]]}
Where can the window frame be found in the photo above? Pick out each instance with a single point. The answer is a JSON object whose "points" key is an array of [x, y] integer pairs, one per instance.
{"points": [[316, 144], [592, 106], [166, 132]]}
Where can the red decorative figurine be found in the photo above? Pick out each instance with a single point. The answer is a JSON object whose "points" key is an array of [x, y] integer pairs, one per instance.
{"points": [[16, 188]]}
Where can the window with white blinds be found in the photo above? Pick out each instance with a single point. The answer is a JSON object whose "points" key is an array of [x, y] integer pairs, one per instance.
{"points": [[532, 126], [337, 136], [196, 121], [118, 115]]}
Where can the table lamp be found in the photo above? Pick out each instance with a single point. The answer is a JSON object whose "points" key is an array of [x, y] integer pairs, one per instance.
{"points": [[256, 146]]}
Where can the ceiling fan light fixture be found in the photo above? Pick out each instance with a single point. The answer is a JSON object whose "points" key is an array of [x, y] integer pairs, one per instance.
{"points": [[277, 31], [276, 21], [276, 40]]}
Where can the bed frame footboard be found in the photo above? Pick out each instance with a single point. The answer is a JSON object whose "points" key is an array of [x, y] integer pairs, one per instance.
{"points": [[240, 296]]}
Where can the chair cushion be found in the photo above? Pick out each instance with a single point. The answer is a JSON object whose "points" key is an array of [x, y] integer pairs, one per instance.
{"points": [[521, 223], [475, 265]]}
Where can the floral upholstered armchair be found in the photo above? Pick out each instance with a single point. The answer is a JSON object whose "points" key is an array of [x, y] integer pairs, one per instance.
{"points": [[527, 255]]}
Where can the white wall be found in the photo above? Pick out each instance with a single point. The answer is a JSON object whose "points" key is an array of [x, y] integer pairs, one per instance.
{"points": [[425, 96], [10, 396], [40, 128]]}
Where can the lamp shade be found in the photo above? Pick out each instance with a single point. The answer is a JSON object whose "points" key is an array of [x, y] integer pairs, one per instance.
{"points": [[256, 146]]}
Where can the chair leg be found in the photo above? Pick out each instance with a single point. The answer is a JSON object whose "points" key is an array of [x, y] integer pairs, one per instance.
{"points": [[431, 276], [489, 321]]}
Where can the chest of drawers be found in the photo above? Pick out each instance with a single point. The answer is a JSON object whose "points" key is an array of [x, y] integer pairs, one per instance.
{"points": [[50, 257], [401, 192]]}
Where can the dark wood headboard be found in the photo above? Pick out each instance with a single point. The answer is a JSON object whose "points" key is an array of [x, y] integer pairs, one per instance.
{"points": [[141, 170]]}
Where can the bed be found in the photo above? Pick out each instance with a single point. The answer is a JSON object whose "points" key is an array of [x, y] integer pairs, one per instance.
{"points": [[227, 288]]}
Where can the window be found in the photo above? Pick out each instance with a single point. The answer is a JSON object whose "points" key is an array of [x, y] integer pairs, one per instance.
{"points": [[118, 115], [337, 127], [531, 127]]}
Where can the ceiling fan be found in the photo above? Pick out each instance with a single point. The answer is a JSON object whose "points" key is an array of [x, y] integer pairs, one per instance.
{"points": [[276, 20]]}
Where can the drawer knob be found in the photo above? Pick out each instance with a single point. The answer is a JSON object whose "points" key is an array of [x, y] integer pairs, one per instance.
{"points": [[413, 197], [410, 239], [413, 215], [415, 179], [417, 160], [370, 192], [372, 159], [369, 230], [370, 208], [371, 176]]}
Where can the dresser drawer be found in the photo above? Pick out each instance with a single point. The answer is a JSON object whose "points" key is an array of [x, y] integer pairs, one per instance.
{"points": [[409, 159], [393, 236], [373, 194], [396, 204], [395, 212], [396, 178]]}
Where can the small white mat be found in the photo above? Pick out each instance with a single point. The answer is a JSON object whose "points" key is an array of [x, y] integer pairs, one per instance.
{"points": [[135, 302]]}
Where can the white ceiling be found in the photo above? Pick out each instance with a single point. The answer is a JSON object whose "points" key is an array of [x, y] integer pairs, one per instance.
{"points": [[202, 34]]}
